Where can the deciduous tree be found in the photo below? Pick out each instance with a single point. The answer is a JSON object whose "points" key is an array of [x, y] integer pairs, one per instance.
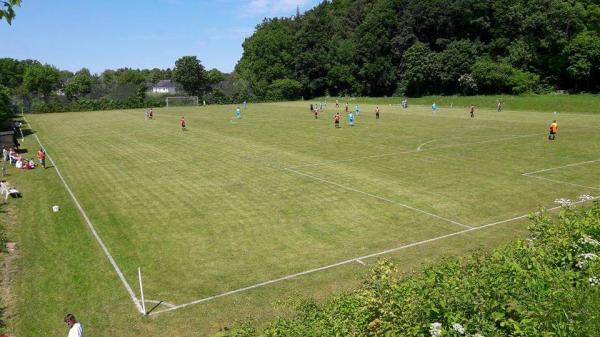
{"points": [[41, 79], [190, 73]]}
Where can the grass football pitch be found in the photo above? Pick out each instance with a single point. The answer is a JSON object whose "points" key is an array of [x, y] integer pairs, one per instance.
{"points": [[277, 201]]}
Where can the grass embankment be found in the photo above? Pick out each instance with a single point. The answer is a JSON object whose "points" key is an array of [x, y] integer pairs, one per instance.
{"points": [[547, 285], [583, 103], [8, 255]]}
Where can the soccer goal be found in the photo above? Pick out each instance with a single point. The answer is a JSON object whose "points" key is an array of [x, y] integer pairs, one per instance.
{"points": [[182, 101]]}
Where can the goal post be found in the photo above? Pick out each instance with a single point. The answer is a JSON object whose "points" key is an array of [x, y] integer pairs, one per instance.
{"points": [[181, 101]]}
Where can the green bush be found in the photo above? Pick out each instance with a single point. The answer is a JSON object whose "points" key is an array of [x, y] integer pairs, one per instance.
{"points": [[521, 82], [217, 96], [284, 89], [547, 285], [491, 76], [5, 106], [496, 77]]}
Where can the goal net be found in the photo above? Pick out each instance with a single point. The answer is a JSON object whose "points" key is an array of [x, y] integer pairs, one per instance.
{"points": [[182, 101]]}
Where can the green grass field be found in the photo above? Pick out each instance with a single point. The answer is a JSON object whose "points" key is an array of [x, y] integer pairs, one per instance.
{"points": [[233, 203]]}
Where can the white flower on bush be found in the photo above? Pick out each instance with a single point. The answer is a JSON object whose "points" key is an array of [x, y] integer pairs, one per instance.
{"points": [[458, 328], [586, 239], [585, 257], [594, 281], [435, 330], [588, 256], [585, 197], [563, 202], [477, 335]]}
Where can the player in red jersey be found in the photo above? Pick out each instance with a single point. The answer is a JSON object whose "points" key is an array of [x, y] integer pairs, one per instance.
{"points": [[183, 124]]}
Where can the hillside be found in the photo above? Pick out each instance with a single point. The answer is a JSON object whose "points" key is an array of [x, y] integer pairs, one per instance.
{"points": [[417, 47]]}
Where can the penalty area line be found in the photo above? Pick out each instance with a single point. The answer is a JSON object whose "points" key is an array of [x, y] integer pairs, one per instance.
{"points": [[378, 197], [356, 260], [533, 174], [110, 258], [562, 182], [560, 167]]}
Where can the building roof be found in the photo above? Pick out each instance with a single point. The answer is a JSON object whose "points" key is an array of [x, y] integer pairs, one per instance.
{"points": [[165, 84]]}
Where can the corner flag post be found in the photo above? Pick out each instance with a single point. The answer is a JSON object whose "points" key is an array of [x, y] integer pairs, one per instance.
{"points": [[142, 291]]}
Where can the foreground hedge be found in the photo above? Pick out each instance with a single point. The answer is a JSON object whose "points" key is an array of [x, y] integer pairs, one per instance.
{"points": [[546, 285]]}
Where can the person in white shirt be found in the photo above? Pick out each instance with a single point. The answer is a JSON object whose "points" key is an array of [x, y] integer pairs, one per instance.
{"points": [[75, 328]]}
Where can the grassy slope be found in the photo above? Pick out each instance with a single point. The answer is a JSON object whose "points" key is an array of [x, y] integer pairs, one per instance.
{"points": [[152, 188], [548, 103]]}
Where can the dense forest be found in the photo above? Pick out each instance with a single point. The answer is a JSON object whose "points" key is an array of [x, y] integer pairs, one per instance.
{"points": [[418, 47]]}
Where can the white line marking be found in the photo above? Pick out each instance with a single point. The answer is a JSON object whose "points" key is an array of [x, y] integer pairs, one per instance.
{"points": [[361, 262], [560, 167], [91, 226], [284, 278], [421, 146], [377, 197], [561, 182], [167, 304], [533, 174], [331, 162]]}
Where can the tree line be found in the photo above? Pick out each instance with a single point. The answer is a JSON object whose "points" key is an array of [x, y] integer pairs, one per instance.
{"points": [[36, 87], [419, 47]]}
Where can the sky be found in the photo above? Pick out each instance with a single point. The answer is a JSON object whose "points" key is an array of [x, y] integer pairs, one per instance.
{"points": [[111, 34]]}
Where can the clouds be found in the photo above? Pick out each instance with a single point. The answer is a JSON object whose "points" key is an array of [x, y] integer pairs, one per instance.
{"points": [[277, 7]]}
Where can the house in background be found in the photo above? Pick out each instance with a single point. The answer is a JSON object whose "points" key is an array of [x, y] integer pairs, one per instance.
{"points": [[164, 87]]}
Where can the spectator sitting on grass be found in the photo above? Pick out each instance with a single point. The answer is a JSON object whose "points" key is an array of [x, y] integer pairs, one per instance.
{"points": [[14, 157]]}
